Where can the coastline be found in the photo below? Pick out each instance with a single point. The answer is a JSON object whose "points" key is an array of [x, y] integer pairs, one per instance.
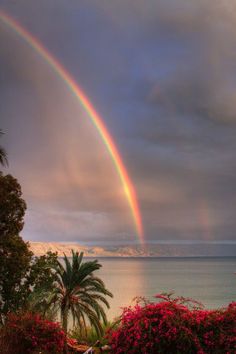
{"points": [[136, 251]]}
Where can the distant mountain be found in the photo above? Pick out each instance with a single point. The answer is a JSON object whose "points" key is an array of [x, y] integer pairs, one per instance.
{"points": [[154, 250]]}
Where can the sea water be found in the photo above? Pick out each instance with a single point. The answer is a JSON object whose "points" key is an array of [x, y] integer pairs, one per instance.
{"points": [[212, 281]]}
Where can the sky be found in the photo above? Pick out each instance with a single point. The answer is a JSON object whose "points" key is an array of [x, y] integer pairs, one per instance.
{"points": [[161, 74]]}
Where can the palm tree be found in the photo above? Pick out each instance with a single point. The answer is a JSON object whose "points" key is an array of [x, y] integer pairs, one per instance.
{"points": [[77, 292], [3, 154]]}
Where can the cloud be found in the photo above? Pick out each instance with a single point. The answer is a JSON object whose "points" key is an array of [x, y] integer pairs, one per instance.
{"points": [[67, 175], [161, 74]]}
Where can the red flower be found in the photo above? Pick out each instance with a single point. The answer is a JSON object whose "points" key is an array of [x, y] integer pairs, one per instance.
{"points": [[170, 327], [29, 331]]}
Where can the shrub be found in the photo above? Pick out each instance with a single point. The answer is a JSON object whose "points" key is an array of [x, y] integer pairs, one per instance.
{"points": [[89, 335], [30, 333], [216, 329], [171, 326]]}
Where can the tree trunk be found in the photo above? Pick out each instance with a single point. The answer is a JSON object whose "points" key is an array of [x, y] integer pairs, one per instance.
{"points": [[64, 326], [65, 321]]}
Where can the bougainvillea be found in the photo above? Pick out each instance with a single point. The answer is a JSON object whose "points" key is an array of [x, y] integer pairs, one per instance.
{"points": [[171, 326], [30, 333], [216, 329]]}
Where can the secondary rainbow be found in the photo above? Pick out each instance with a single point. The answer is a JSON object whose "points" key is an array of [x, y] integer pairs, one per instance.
{"points": [[35, 44]]}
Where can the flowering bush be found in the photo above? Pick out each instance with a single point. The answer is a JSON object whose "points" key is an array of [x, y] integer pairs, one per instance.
{"points": [[171, 326], [216, 329], [30, 333]]}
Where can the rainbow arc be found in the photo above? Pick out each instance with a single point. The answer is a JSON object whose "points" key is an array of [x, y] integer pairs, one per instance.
{"points": [[97, 121]]}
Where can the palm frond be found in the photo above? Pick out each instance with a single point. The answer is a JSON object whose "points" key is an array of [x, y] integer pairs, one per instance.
{"points": [[78, 292]]}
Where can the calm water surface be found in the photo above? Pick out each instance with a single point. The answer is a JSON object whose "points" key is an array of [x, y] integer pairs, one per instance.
{"points": [[209, 280]]}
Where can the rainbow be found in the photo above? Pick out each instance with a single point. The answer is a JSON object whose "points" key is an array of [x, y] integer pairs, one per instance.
{"points": [[92, 114]]}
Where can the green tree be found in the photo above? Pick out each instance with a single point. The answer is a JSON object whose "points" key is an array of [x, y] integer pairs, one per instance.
{"points": [[40, 278], [3, 154], [22, 275], [12, 206], [77, 292], [15, 255], [20, 271], [41, 272], [15, 258]]}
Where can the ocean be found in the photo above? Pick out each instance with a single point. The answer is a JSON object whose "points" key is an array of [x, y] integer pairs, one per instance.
{"points": [[212, 281]]}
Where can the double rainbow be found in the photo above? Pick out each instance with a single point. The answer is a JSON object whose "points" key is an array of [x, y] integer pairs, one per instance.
{"points": [[92, 114]]}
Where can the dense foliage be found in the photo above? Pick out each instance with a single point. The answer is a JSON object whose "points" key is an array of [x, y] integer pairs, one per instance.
{"points": [[12, 206], [30, 333], [21, 273], [15, 258], [40, 277], [15, 255], [170, 327]]}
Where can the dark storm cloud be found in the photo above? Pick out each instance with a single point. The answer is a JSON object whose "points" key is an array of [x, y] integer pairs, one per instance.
{"points": [[161, 73]]}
